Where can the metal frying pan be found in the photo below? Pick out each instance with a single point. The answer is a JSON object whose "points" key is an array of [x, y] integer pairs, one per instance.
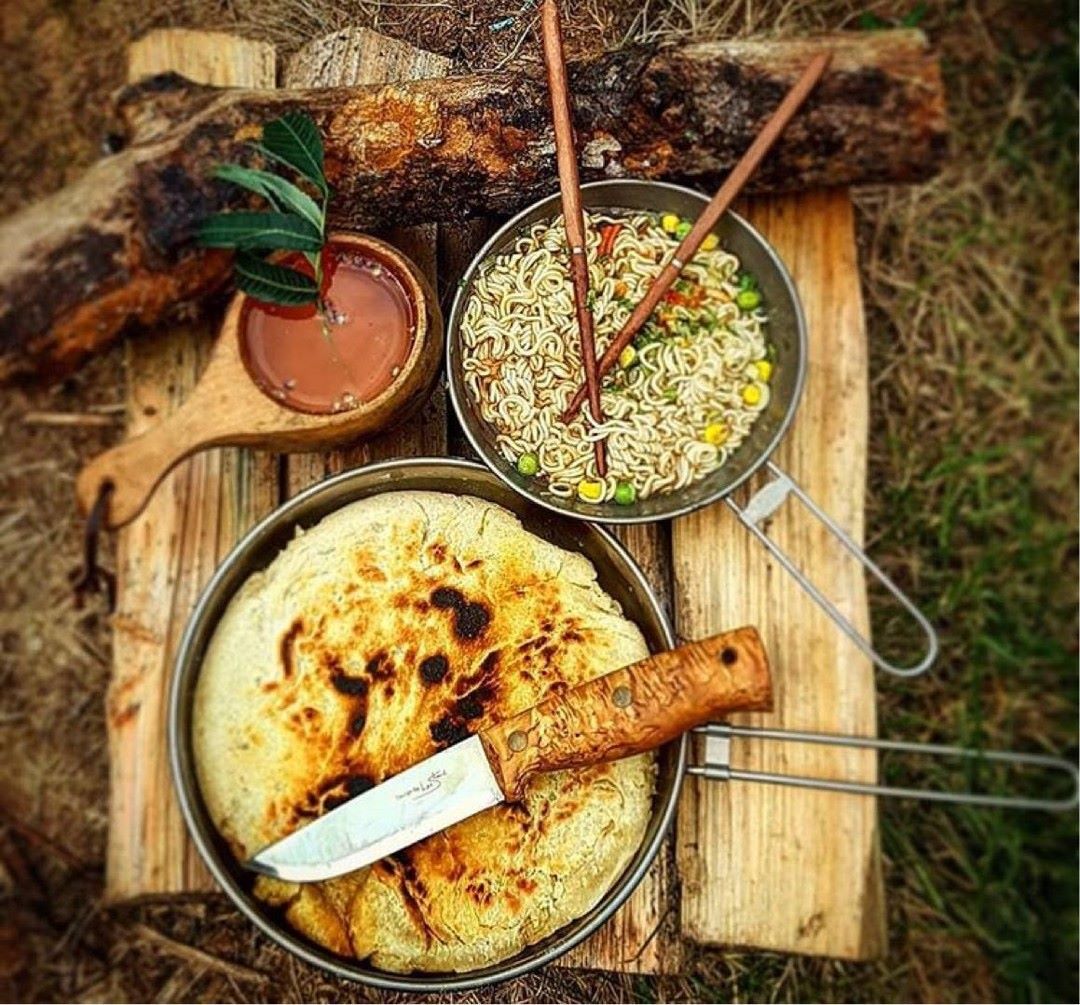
{"points": [[787, 334], [620, 577], [617, 574]]}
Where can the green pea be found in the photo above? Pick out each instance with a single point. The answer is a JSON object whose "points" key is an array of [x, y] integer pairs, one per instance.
{"points": [[528, 465], [683, 229], [625, 494], [748, 299]]}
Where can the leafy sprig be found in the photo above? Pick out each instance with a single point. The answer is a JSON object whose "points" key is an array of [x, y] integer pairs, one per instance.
{"points": [[295, 221]]}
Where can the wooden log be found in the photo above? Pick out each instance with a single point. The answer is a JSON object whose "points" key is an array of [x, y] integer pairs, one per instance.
{"points": [[166, 555], [116, 246], [763, 865]]}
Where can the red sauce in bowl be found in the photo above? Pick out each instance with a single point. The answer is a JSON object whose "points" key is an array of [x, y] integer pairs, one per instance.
{"points": [[342, 357]]}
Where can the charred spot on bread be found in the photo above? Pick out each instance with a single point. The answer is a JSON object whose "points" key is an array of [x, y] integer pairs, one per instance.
{"points": [[470, 618], [471, 705], [434, 668], [356, 785], [288, 640], [357, 723], [379, 666], [447, 731], [344, 684], [329, 794], [444, 597]]}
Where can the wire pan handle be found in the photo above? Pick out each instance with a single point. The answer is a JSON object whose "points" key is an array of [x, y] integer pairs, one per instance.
{"points": [[765, 502], [724, 772]]}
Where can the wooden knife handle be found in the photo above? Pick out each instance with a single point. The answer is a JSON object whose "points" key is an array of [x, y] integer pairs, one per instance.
{"points": [[632, 710]]}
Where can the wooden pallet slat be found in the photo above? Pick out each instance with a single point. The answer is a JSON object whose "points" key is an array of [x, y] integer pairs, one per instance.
{"points": [[363, 56], [761, 865], [165, 556]]}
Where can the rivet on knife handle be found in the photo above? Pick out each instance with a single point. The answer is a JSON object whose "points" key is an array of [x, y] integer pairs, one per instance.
{"points": [[632, 710]]}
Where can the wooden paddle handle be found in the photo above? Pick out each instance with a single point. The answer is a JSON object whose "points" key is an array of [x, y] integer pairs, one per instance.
{"points": [[135, 467], [632, 710]]}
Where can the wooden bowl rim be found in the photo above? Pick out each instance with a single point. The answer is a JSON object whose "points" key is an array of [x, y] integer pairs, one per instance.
{"points": [[411, 278]]}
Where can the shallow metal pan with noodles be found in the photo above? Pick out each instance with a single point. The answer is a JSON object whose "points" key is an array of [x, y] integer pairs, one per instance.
{"points": [[620, 577], [787, 335]]}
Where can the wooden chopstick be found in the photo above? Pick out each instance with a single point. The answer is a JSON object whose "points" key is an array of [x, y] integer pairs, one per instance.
{"points": [[570, 188], [709, 217]]}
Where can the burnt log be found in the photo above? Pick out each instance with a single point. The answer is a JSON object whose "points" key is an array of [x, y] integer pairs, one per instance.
{"points": [[116, 247]]}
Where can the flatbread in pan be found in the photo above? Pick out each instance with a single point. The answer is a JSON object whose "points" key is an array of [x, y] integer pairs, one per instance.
{"points": [[397, 626]]}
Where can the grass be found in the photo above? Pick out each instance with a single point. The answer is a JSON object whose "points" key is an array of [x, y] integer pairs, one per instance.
{"points": [[971, 300], [973, 482]]}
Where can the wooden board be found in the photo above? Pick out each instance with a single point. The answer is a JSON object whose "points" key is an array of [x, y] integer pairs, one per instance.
{"points": [[634, 939], [767, 866], [166, 555], [362, 56], [643, 936]]}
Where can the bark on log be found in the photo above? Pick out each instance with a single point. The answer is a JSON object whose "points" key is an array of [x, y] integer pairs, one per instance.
{"points": [[116, 246]]}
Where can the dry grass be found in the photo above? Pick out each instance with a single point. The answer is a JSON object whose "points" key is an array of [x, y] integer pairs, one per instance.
{"points": [[970, 287]]}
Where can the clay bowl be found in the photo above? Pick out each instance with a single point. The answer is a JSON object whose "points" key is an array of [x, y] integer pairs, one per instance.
{"points": [[228, 408]]}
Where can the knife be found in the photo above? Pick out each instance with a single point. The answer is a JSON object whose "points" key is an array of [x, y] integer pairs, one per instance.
{"points": [[628, 711]]}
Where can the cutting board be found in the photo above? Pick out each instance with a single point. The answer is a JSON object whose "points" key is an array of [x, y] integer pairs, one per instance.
{"points": [[762, 865], [729, 873]]}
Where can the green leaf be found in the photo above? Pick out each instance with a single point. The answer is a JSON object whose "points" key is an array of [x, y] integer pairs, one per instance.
{"points": [[275, 284], [295, 140], [869, 21], [281, 193], [914, 17], [259, 232]]}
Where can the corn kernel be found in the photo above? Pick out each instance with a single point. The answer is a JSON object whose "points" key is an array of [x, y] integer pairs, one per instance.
{"points": [[764, 369], [669, 221], [590, 491], [627, 357], [751, 394], [715, 433], [711, 241]]}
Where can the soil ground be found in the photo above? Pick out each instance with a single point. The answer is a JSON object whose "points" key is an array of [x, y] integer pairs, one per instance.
{"points": [[972, 309]]}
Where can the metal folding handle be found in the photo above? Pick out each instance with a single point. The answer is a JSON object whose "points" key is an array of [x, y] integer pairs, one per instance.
{"points": [[765, 502], [724, 772]]}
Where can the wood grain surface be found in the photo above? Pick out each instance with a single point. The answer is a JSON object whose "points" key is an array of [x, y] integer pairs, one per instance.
{"points": [[761, 865], [361, 56], [632, 710], [166, 555], [642, 937]]}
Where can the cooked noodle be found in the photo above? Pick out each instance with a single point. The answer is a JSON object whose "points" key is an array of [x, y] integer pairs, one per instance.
{"points": [[672, 416]]}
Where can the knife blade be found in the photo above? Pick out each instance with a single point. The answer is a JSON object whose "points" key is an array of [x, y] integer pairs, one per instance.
{"points": [[628, 711]]}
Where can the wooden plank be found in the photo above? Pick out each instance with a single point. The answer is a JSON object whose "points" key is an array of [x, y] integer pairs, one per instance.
{"points": [[167, 554], [644, 936], [362, 56], [767, 866]]}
